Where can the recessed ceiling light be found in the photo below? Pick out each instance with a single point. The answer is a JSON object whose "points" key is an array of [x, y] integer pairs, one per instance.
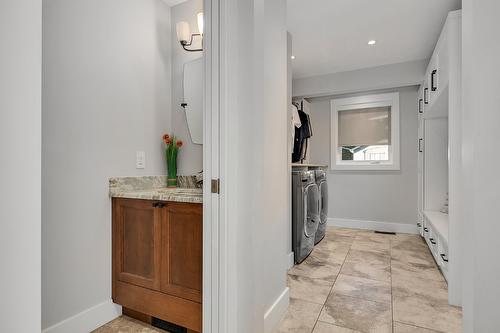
{"points": [[292, 57], [372, 42]]}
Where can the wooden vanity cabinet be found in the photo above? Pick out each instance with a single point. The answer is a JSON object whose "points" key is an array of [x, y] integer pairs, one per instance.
{"points": [[157, 259]]}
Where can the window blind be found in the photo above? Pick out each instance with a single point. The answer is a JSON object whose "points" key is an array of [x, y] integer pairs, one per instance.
{"points": [[364, 127]]}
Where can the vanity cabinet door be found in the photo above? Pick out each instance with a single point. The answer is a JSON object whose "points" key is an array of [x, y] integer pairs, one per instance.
{"points": [[136, 242], [181, 266]]}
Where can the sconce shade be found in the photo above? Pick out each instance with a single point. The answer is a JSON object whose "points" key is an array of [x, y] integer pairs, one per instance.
{"points": [[201, 23], [183, 31]]}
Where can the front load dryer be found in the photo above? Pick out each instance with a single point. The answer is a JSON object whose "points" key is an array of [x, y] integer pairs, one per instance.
{"points": [[320, 176], [305, 213]]}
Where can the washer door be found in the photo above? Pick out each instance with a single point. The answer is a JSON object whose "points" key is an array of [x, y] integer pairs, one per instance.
{"points": [[323, 188], [311, 209]]}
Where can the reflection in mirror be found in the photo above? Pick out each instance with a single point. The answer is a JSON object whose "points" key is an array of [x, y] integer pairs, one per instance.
{"points": [[193, 98]]}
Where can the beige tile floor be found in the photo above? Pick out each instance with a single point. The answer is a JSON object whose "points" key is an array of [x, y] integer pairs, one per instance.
{"points": [[359, 281], [125, 324]]}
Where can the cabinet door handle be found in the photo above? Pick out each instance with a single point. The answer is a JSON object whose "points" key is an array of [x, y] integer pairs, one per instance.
{"points": [[158, 205], [432, 241], [426, 229], [419, 224], [433, 81], [420, 150], [426, 96], [443, 256], [420, 106]]}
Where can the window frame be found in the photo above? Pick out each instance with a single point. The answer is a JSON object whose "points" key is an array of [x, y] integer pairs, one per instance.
{"points": [[361, 102]]}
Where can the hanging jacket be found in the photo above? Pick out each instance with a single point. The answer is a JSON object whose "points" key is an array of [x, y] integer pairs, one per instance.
{"points": [[302, 133]]}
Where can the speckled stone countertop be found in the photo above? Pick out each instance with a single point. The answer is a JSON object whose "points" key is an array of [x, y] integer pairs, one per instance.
{"points": [[152, 188]]}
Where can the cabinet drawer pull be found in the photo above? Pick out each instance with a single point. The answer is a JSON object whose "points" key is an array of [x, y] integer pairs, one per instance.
{"points": [[443, 256], [158, 205], [419, 224], [420, 150], [433, 81], [432, 241], [426, 229], [421, 106], [426, 96]]}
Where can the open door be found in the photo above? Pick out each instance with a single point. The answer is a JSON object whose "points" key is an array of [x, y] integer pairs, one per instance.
{"points": [[211, 161]]}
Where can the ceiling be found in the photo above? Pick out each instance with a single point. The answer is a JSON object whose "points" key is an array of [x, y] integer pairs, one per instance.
{"points": [[173, 2], [332, 35]]}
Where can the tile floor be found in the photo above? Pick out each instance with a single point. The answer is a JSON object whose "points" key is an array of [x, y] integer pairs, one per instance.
{"points": [[125, 324], [359, 281]]}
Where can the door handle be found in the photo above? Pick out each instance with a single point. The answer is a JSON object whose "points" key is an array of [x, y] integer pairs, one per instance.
{"points": [[432, 241], [443, 256], [420, 150], [426, 96], [420, 106]]}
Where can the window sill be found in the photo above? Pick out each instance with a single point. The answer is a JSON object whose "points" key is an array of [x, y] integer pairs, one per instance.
{"points": [[366, 167]]}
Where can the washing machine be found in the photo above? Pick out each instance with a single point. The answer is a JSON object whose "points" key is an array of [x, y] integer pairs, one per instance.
{"points": [[320, 177], [305, 213]]}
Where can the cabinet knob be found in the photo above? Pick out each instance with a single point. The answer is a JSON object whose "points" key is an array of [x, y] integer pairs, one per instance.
{"points": [[443, 256], [432, 241], [426, 229]]}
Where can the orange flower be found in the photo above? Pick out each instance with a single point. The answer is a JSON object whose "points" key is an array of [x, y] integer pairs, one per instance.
{"points": [[179, 143], [166, 139]]}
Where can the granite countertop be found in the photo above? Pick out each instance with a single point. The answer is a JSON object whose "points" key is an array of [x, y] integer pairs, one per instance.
{"points": [[154, 188]]}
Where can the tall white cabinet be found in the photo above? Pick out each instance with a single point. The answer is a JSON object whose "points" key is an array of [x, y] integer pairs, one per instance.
{"points": [[439, 157]]}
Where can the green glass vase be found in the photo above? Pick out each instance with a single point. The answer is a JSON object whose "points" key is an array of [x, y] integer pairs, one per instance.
{"points": [[171, 155]]}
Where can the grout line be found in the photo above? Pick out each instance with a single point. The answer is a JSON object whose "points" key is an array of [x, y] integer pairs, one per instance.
{"points": [[425, 328]]}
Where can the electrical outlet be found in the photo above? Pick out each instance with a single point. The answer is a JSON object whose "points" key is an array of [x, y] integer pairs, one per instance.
{"points": [[140, 160]]}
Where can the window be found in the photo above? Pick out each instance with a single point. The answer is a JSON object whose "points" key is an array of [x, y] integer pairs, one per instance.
{"points": [[365, 132]]}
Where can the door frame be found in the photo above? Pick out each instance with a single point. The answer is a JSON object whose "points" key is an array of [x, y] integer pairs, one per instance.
{"points": [[214, 223]]}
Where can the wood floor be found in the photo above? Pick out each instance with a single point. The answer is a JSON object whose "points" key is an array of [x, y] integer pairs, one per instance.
{"points": [[360, 281]]}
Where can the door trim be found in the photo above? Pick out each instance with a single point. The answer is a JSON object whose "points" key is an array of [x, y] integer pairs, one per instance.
{"points": [[213, 231]]}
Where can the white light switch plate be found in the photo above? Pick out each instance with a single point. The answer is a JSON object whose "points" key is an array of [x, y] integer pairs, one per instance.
{"points": [[140, 160]]}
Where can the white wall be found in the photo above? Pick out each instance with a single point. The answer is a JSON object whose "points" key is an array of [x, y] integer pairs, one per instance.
{"points": [[256, 163], [106, 94], [481, 84], [384, 196], [190, 160], [374, 78], [20, 176]]}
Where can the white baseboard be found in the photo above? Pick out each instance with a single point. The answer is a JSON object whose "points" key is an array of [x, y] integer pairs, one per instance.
{"points": [[274, 314], [290, 260], [374, 225], [88, 320]]}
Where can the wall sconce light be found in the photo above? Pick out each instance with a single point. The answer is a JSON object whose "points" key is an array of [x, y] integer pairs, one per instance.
{"points": [[185, 36]]}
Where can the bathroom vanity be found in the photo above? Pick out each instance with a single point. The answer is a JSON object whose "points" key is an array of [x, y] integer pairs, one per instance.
{"points": [[157, 254]]}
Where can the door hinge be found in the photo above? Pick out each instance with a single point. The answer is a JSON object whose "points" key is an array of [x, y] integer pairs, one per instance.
{"points": [[216, 186]]}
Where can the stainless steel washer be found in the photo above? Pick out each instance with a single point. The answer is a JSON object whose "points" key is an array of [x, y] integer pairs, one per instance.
{"points": [[305, 213], [320, 177]]}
